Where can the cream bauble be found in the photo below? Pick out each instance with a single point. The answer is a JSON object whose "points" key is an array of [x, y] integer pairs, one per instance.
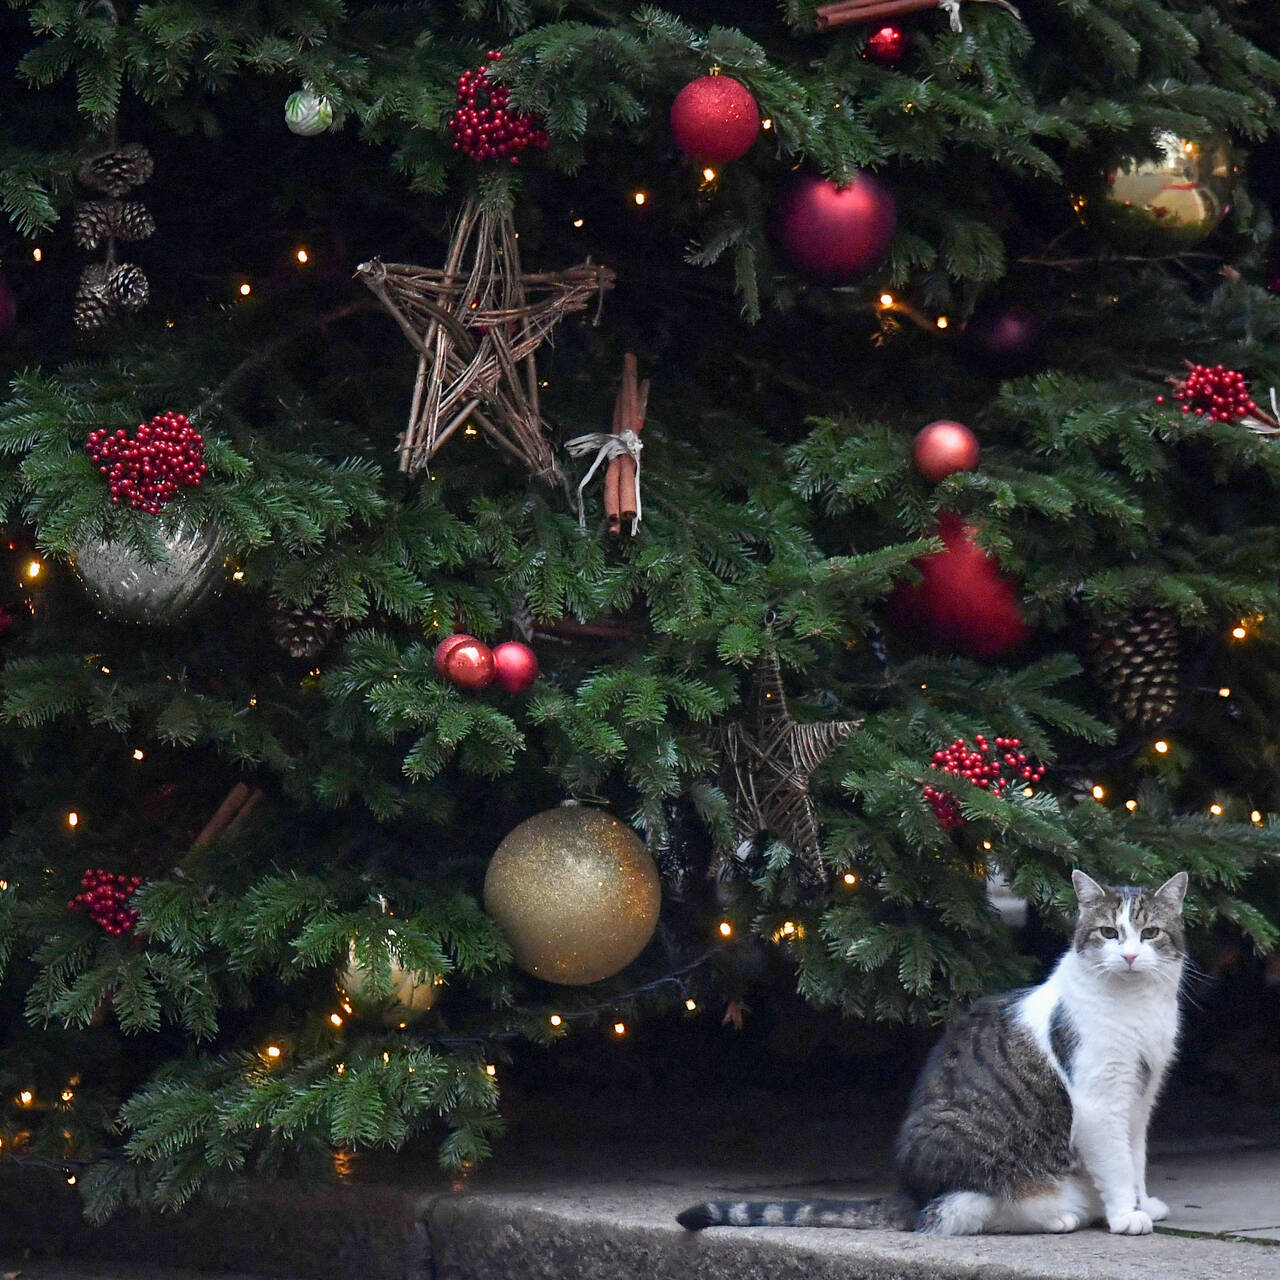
{"points": [[575, 893], [412, 993]]}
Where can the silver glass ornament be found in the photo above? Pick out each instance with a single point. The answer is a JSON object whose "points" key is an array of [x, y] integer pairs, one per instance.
{"points": [[191, 571], [1162, 204]]}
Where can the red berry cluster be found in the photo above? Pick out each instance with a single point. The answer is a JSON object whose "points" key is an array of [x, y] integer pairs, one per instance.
{"points": [[991, 766], [1219, 393], [483, 125], [147, 469], [103, 896]]}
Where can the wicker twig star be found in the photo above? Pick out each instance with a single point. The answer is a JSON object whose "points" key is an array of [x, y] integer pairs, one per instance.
{"points": [[474, 325], [766, 763]]}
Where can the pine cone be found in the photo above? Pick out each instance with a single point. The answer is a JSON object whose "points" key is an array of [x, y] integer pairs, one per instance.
{"points": [[134, 221], [94, 222], [117, 172], [93, 306], [127, 287], [301, 630], [1137, 663]]}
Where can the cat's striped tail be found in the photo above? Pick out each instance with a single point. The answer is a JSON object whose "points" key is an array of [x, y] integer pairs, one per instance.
{"points": [[887, 1213]]}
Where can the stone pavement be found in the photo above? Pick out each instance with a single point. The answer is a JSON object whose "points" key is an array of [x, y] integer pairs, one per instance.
{"points": [[560, 1223]]}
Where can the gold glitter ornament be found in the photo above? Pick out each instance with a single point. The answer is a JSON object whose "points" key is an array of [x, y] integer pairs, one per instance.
{"points": [[410, 996], [575, 893], [1162, 203]]}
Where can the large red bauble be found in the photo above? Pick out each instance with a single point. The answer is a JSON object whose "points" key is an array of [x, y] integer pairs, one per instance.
{"points": [[887, 44], [964, 601], [943, 448], [831, 234], [448, 645], [470, 664], [515, 666], [8, 312], [715, 119]]}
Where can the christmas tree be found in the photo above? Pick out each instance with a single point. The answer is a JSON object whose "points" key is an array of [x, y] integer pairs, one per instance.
{"points": [[831, 445]]}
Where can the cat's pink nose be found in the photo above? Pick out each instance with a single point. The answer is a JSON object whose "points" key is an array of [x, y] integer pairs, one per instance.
{"points": [[1130, 957]]}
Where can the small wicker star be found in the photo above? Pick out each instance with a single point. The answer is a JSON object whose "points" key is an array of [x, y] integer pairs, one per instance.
{"points": [[475, 326], [767, 760]]}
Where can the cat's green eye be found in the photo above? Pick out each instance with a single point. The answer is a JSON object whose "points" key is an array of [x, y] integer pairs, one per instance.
{"points": [[1150, 932], [1108, 932]]}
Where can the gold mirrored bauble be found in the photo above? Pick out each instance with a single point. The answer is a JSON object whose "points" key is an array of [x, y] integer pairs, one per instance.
{"points": [[1162, 203], [191, 570], [412, 994], [575, 893]]}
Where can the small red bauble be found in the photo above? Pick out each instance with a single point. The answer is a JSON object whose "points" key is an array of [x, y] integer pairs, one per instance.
{"points": [[148, 468], [8, 312], [515, 666], [470, 664], [484, 125], [943, 448], [448, 645], [964, 600], [831, 234], [887, 45], [714, 119]]}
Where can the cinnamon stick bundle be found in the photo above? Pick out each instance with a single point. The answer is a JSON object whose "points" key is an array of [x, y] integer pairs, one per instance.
{"points": [[621, 496]]}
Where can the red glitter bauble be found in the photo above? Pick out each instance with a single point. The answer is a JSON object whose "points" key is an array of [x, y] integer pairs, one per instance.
{"points": [[715, 119], [470, 664], [943, 448], [963, 601], [515, 666], [448, 645], [8, 312], [887, 45], [831, 234]]}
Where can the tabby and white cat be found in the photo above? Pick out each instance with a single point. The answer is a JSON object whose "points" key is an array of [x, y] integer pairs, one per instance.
{"points": [[1031, 1113]]}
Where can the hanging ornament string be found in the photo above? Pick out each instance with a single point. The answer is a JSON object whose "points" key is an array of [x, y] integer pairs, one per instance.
{"points": [[847, 12], [621, 449]]}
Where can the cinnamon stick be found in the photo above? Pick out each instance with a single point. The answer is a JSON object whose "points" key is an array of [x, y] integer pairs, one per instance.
{"points": [[848, 12], [240, 801]]}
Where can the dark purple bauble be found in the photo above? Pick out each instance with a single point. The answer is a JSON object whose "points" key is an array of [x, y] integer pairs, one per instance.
{"points": [[831, 234], [8, 312], [1004, 338]]}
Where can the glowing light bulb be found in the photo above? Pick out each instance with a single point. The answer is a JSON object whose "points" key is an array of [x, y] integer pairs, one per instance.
{"points": [[1099, 793], [490, 1069], [273, 1051], [691, 1005], [726, 929], [26, 1097], [139, 754], [1255, 817], [942, 322], [708, 175], [886, 299], [238, 576], [303, 256], [1028, 791], [1239, 631], [766, 123], [1224, 692], [788, 927], [849, 878], [246, 289], [336, 1019], [73, 819], [640, 197], [579, 223], [1162, 747], [67, 1095], [986, 844], [33, 568], [1131, 805], [555, 1020], [619, 1028], [71, 1179], [1216, 810], [468, 430]]}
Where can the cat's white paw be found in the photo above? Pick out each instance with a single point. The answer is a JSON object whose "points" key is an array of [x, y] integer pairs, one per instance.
{"points": [[1154, 1208], [1132, 1223], [1063, 1222]]}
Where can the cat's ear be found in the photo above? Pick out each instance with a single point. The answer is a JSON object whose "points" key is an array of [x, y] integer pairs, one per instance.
{"points": [[1088, 890], [1172, 892]]}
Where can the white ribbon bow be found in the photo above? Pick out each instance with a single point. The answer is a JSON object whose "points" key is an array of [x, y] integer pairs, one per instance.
{"points": [[608, 446]]}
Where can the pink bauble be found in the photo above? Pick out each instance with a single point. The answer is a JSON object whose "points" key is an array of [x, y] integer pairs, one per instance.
{"points": [[470, 664], [831, 234], [943, 448], [714, 119], [448, 645], [963, 601], [515, 666]]}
